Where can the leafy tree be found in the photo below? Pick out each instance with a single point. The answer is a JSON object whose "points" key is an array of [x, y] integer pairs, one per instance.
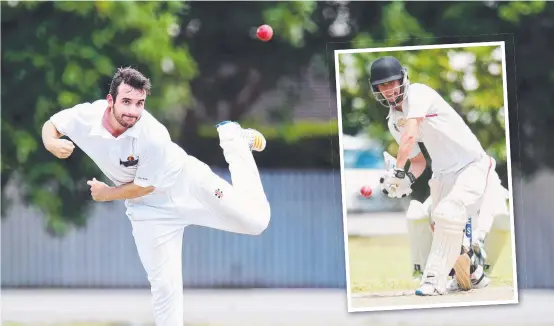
{"points": [[236, 69], [58, 54]]}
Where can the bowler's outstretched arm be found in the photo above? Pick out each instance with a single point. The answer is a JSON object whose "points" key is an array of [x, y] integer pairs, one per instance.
{"points": [[49, 132]]}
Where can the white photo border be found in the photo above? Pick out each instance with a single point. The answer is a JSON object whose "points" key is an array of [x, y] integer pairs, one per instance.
{"points": [[502, 44]]}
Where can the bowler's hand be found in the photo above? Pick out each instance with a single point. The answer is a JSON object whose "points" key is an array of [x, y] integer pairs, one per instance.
{"points": [[61, 148], [98, 190]]}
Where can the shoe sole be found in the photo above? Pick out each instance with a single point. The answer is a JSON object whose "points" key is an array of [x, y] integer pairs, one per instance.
{"points": [[461, 270], [223, 123], [421, 294]]}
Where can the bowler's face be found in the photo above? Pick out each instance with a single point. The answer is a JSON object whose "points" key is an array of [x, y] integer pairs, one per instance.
{"points": [[128, 106]]}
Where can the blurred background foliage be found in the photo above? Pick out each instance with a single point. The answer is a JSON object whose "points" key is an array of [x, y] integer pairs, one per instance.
{"points": [[207, 66]]}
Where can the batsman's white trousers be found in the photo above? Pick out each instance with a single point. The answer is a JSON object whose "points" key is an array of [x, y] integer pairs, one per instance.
{"points": [[454, 196], [467, 186], [199, 197], [493, 214]]}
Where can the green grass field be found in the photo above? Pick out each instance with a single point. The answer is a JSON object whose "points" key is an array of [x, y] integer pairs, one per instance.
{"points": [[383, 264]]}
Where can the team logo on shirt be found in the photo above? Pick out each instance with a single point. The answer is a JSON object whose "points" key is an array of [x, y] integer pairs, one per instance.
{"points": [[401, 122], [218, 193], [131, 161]]}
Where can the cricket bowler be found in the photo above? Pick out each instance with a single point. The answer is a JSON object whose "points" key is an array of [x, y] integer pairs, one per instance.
{"points": [[461, 167], [163, 187]]}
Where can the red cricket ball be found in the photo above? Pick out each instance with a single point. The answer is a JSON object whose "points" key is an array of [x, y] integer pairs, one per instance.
{"points": [[264, 33], [366, 191]]}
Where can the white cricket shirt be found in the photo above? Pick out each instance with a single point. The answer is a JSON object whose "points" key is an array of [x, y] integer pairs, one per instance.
{"points": [[144, 154], [450, 142]]}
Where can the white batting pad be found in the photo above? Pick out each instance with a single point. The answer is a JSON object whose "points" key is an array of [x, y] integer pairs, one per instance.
{"points": [[419, 233], [450, 219]]}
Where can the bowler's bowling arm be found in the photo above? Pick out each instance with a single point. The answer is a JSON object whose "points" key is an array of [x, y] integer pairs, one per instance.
{"points": [[127, 191], [148, 168]]}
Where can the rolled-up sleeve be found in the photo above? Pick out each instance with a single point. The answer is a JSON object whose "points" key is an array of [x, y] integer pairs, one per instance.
{"points": [[66, 121], [420, 99]]}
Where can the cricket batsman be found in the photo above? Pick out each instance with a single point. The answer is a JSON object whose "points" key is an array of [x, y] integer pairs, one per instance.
{"points": [[163, 187], [461, 167], [486, 236]]}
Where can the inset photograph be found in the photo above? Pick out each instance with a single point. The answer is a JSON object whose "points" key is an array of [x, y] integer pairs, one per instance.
{"points": [[426, 176]]}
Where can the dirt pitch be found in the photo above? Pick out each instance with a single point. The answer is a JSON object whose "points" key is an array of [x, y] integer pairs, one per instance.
{"points": [[404, 299]]}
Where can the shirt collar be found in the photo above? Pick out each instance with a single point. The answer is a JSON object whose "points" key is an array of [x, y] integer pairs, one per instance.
{"points": [[390, 112], [99, 130]]}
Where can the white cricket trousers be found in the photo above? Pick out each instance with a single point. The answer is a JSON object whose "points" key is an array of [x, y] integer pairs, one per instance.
{"points": [[200, 197], [455, 196], [468, 186]]}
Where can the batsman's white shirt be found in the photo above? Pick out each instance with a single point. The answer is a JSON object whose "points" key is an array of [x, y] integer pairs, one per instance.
{"points": [[450, 142], [143, 154]]}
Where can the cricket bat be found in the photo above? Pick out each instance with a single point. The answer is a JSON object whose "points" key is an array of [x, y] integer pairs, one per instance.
{"points": [[390, 162]]}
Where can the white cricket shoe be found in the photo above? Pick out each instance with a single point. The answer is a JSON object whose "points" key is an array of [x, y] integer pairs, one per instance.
{"points": [[255, 140], [428, 287], [478, 280]]}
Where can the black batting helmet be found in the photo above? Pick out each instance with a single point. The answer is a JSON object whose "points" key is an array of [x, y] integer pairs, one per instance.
{"points": [[384, 70]]}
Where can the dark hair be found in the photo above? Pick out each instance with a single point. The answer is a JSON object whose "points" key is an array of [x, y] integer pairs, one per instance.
{"points": [[131, 77]]}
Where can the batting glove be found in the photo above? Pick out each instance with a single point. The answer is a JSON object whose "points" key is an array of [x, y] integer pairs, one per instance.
{"points": [[397, 183]]}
